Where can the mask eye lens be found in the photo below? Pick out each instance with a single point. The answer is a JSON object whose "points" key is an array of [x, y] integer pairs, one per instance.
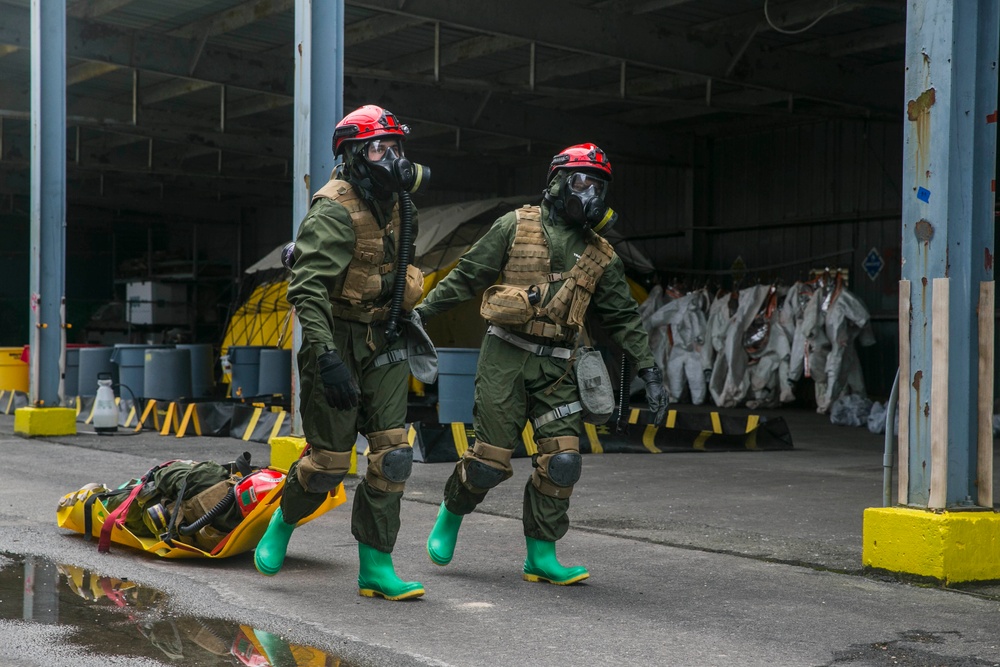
{"points": [[377, 148], [580, 182]]}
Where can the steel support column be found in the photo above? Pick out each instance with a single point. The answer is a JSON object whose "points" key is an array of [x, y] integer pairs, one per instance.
{"points": [[949, 166], [48, 197], [319, 104]]}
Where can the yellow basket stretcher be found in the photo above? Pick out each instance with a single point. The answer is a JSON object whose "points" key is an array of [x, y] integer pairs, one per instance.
{"points": [[71, 515]]}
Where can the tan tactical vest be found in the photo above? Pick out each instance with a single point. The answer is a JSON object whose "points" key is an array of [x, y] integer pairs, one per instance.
{"points": [[361, 283], [529, 264]]}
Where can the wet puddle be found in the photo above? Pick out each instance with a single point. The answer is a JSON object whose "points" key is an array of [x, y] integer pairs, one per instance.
{"points": [[113, 617]]}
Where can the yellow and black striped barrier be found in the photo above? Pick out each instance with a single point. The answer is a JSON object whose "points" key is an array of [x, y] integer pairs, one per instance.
{"points": [[681, 432], [11, 400]]}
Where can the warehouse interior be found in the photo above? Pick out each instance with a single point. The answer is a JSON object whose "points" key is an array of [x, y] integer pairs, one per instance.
{"points": [[754, 142]]}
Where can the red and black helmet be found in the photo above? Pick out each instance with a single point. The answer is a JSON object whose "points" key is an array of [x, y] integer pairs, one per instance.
{"points": [[582, 157], [368, 122]]}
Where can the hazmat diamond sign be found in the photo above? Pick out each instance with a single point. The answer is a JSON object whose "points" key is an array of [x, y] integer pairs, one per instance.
{"points": [[873, 263]]}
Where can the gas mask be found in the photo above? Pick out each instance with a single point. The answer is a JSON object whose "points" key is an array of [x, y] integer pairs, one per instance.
{"points": [[388, 169], [583, 202]]}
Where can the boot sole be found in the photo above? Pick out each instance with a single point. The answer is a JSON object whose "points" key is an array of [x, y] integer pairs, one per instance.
{"points": [[438, 562], [536, 578], [372, 593], [264, 571]]}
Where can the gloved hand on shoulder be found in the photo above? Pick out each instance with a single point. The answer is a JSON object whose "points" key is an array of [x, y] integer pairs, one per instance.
{"points": [[656, 397], [341, 390]]}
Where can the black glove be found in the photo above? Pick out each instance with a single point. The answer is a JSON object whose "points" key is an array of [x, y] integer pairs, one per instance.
{"points": [[340, 388], [655, 395], [418, 317]]}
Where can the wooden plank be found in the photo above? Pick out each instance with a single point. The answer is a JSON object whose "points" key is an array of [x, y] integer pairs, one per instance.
{"points": [[984, 467], [940, 308], [903, 443]]}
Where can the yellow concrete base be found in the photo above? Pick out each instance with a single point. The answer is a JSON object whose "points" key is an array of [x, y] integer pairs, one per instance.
{"points": [[950, 547], [285, 450], [35, 422]]}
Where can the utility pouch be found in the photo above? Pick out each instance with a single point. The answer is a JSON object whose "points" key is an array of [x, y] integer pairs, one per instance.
{"points": [[414, 287], [506, 305], [198, 506], [594, 384], [363, 281]]}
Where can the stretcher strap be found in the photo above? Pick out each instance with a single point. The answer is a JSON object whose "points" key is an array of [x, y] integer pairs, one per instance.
{"points": [[117, 517]]}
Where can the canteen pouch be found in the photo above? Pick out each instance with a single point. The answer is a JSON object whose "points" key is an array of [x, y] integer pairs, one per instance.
{"points": [[594, 384]]}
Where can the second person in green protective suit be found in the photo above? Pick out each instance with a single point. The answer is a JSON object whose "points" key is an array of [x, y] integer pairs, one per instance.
{"points": [[554, 267], [353, 374]]}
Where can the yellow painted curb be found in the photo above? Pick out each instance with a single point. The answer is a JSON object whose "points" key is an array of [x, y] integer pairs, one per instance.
{"points": [[35, 422], [950, 547], [287, 449]]}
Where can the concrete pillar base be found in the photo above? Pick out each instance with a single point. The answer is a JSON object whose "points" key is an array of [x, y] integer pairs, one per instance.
{"points": [[36, 422], [950, 547], [286, 449]]}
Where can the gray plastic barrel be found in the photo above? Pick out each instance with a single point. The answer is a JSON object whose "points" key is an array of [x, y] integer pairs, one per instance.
{"points": [[131, 362], [71, 381], [275, 372], [92, 360], [167, 374], [245, 360], [456, 383], [202, 377]]}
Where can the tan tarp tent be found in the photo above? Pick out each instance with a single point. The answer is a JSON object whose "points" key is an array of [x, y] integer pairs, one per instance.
{"points": [[262, 316]]}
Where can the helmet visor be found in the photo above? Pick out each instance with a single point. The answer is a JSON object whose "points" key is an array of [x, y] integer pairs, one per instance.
{"points": [[376, 149], [580, 182]]}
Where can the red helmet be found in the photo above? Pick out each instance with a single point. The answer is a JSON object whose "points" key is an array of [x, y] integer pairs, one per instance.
{"points": [[368, 122], [581, 157], [252, 488]]}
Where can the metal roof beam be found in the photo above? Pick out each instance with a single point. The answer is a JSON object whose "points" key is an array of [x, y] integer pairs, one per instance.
{"points": [[566, 25], [91, 9], [467, 49], [234, 18], [156, 52], [375, 27], [860, 41]]}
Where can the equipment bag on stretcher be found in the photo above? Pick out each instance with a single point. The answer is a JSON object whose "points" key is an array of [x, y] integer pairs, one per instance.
{"points": [[184, 509]]}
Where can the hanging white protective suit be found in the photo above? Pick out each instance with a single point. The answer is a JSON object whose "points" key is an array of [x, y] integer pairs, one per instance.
{"points": [[689, 354]]}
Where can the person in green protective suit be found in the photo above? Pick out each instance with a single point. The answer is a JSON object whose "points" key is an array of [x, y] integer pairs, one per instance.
{"points": [[352, 366], [553, 267]]}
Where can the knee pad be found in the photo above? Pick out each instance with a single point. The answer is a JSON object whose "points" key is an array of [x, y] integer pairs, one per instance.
{"points": [[484, 466], [390, 460], [321, 470], [558, 466]]}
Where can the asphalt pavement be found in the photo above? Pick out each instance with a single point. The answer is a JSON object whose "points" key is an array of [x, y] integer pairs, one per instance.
{"points": [[696, 559]]}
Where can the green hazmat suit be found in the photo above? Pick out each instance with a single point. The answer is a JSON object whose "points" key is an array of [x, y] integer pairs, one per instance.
{"points": [[324, 248], [513, 384]]}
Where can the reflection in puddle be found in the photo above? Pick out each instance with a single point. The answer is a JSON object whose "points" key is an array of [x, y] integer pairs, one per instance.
{"points": [[119, 618]]}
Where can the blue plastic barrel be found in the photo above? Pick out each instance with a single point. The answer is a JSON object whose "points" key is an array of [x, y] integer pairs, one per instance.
{"points": [[131, 362], [275, 372], [245, 360], [92, 361], [456, 383], [202, 377], [167, 374]]}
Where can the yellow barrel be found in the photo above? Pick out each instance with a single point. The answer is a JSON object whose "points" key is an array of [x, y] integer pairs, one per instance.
{"points": [[13, 371]]}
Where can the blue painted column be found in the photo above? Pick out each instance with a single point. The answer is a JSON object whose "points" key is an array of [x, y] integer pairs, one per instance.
{"points": [[949, 164], [48, 197], [319, 104]]}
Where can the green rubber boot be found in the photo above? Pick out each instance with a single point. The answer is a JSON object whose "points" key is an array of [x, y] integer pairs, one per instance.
{"points": [[377, 577], [441, 541], [269, 555], [541, 565]]}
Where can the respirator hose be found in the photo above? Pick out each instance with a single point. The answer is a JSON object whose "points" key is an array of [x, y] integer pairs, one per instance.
{"points": [[203, 521], [405, 250]]}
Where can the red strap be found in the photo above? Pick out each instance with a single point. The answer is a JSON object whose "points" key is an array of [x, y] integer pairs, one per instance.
{"points": [[117, 517]]}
